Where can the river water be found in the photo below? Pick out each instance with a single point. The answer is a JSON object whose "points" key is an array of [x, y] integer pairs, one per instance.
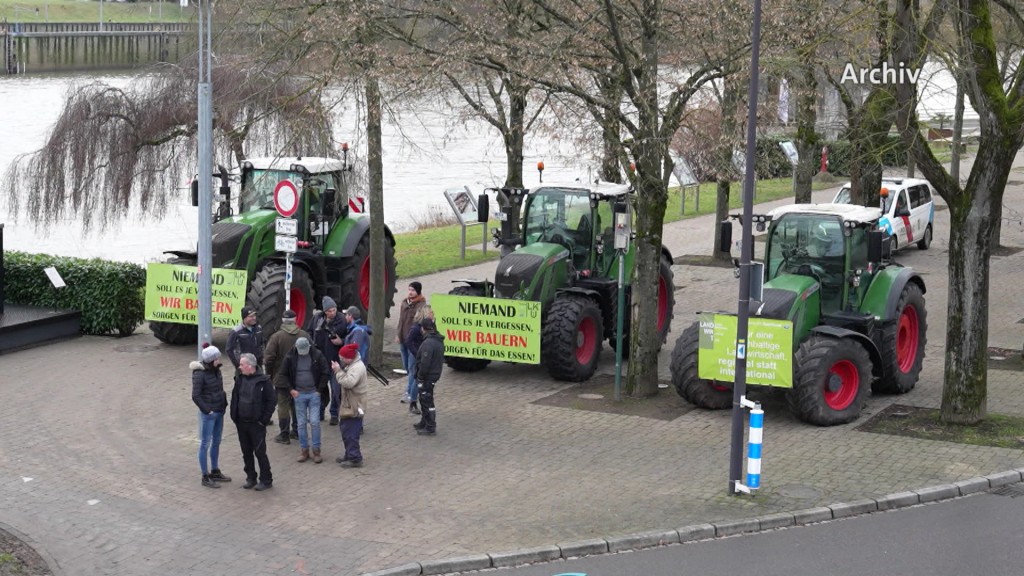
{"points": [[426, 151]]}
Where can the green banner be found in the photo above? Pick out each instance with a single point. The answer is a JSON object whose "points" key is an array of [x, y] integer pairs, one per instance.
{"points": [[488, 328], [769, 351], [172, 295]]}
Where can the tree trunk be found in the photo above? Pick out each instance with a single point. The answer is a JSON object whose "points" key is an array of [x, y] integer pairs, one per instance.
{"points": [[514, 135], [611, 138], [375, 168], [722, 188], [731, 96], [808, 142]]}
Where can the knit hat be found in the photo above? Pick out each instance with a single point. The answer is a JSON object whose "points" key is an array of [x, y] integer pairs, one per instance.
{"points": [[302, 345], [353, 312], [418, 287], [329, 303], [288, 317], [349, 351], [246, 310], [428, 324], [210, 353]]}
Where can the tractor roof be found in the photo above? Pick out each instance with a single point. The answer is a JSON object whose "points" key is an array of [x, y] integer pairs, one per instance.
{"points": [[311, 164], [603, 189], [848, 212]]}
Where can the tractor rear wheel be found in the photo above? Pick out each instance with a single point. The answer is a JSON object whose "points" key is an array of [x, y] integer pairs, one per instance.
{"points": [[172, 332], [903, 343], [456, 362], [570, 341], [832, 380], [355, 278], [266, 295], [666, 304], [709, 394]]}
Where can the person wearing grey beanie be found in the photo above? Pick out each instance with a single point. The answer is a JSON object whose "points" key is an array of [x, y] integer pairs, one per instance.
{"points": [[208, 395]]}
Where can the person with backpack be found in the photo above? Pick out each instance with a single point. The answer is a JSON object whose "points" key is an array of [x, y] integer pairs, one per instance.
{"points": [[358, 333]]}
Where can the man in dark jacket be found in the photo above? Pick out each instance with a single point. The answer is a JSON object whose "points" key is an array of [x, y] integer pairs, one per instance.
{"points": [[306, 370], [429, 362], [279, 345], [252, 405], [358, 333], [328, 328], [208, 395], [247, 337]]}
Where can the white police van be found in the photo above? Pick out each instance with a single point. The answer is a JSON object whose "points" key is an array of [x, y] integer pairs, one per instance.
{"points": [[908, 210]]}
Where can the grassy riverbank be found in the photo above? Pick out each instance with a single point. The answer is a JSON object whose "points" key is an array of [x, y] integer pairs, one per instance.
{"points": [[78, 11], [436, 248]]}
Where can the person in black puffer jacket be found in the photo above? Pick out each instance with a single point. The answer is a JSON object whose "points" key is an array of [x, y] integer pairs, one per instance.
{"points": [[208, 395], [429, 362], [252, 405]]}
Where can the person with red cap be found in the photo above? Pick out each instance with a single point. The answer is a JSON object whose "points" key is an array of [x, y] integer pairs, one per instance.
{"points": [[351, 375]]}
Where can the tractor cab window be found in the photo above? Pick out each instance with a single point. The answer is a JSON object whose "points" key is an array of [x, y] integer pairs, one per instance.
{"points": [[558, 215], [810, 245], [258, 188]]}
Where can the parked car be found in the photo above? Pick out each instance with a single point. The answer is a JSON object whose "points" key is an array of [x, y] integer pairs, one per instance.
{"points": [[908, 211]]}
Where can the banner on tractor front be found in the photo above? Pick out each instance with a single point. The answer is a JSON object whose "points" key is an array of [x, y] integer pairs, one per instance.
{"points": [[488, 328], [172, 294], [768, 350]]}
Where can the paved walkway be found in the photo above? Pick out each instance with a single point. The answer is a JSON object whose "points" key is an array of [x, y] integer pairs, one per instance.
{"points": [[99, 464]]}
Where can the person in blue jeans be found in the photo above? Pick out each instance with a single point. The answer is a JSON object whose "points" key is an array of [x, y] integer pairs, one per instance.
{"points": [[306, 370], [208, 395], [408, 309], [412, 345]]}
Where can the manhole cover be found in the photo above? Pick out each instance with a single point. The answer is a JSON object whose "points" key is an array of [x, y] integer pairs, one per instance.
{"points": [[798, 491], [136, 348], [591, 396]]}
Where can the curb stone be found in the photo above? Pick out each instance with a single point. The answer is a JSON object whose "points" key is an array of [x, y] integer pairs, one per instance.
{"points": [[51, 562], [695, 532]]}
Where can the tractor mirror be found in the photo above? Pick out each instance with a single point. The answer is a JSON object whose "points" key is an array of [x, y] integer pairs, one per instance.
{"points": [[876, 243], [195, 192], [330, 199], [725, 237], [483, 208]]}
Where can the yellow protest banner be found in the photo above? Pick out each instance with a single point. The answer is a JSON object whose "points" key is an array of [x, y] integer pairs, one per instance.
{"points": [[172, 294], [488, 328]]}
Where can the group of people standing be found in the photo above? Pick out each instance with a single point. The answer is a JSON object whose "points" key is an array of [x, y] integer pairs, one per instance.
{"points": [[307, 374]]}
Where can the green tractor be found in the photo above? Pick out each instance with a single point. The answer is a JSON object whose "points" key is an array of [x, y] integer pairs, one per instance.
{"points": [[565, 260], [333, 258], [859, 320]]}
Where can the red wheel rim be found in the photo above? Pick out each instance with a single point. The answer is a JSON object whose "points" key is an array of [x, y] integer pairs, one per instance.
{"points": [[586, 341], [718, 387], [364, 283], [662, 303], [298, 304], [849, 384], [907, 339]]}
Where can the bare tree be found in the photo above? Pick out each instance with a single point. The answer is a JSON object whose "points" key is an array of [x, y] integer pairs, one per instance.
{"points": [[112, 148], [997, 94]]}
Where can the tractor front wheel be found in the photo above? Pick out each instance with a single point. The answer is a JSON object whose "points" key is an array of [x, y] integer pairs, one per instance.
{"points": [[172, 332], [266, 295], [571, 338], [709, 394], [459, 363], [832, 380], [355, 278], [903, 341]]}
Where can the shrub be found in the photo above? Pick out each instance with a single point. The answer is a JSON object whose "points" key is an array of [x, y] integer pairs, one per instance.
{"points": [[110, 295], [772, 162]]}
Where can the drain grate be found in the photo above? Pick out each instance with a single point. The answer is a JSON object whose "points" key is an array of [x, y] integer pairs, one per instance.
{"points": [[1011, 490]]}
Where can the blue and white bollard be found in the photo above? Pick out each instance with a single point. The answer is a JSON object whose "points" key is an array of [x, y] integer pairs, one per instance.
{"points": [[754, 448]]}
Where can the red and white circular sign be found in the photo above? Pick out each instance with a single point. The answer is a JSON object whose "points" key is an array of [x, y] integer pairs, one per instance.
{"points": [[286, 198]]}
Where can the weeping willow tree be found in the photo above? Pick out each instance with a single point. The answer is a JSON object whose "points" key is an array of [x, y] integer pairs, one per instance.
{"points": [[113, 149]]}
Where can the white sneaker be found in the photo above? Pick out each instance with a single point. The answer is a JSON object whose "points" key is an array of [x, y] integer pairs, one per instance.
{"points": [[400, 371], [405, 399]]}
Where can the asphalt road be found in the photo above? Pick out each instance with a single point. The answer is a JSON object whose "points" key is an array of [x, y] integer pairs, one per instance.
{"points": [[969, 536]]}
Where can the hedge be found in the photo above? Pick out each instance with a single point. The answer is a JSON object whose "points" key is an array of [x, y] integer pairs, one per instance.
{"points": [[110, 295]]}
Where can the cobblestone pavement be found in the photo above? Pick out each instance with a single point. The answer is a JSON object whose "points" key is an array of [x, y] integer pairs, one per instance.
{"points": [[99, 466]]}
